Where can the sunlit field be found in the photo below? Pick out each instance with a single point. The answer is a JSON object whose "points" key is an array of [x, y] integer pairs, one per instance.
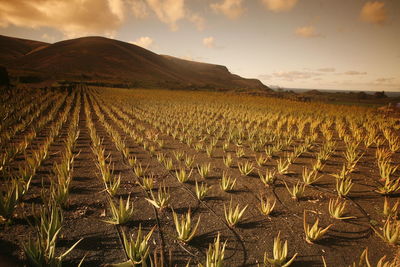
{"points": [[96, 176]]}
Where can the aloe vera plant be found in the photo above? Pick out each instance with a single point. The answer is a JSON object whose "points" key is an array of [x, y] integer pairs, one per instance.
{"points": [[201, 190], [266, 206], [184, 227], [318, 165], [160, 201], [210, 151], [342, 174], [147, 182], [390, 211], [215, 254], [314, 233], [227, 183], [60, 193], [233, 216], [9, 200], [245, 168], [179, 155], [42, 250], [139, 171], [390, 232], [113, 184], [240, 152], [228, 160], [105, 169], [43, 253], [280, 254], [363, 261], [122, 213], [390, 187], [386, 169], [282, 166], [310, 177], [137, 250], [383, 263], [336, 209], [269, 178], [225, 146], [160, 157], [344, 186], [204, 170], [261, 160], [168, 165], [182, 176], [297, 191], [189, 161]]}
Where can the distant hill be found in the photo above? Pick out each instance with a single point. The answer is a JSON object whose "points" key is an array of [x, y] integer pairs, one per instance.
{"points": [[13, 48], [312, 92], [99, 59]]}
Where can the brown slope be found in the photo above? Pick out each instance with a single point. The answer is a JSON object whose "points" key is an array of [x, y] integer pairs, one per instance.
{"points": [[13, 48], [107, 60], [198, 72]]}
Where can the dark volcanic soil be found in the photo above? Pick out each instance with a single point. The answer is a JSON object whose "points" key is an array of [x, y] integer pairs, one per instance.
{"points": [[246, 243]]}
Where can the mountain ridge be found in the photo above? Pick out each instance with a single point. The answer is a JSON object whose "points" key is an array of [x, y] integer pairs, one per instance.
{"points": [[99, 59], [12, 48]]}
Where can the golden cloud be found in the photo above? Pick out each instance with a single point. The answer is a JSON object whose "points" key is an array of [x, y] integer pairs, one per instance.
{"points": [[139, 8], [307, 32], [385, 80], [145, 42], [291, 76], [73, 18], [279, 5], [209, 42], [230, 8], [354, 72], [326, 69], [374, 12], [197, 20], [168, 11]]}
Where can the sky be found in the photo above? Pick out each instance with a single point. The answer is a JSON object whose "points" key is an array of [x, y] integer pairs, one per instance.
{"points": [[315, 44]]}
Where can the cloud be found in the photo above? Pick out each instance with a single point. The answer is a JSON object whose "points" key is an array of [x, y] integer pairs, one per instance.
{"points": [[326, 69], [198, 21], [230, 8], [385, 80], [48, 38], [354, 72], [139, 8], [279, 5], [374, 12], [168, 11], [117, 8], [294, 75], [290, 75], [307, 32], [209, 42], [73, 18], [265, 76], [390, 83], [187, 57], [144, 41], [191, 57]]}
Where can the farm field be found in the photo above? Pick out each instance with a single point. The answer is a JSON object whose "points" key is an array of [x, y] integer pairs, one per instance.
{"points": [[87, 168]]}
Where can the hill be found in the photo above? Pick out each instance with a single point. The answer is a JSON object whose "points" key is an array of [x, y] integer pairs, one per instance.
{"points": [[103, 60], [13, 48]]}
